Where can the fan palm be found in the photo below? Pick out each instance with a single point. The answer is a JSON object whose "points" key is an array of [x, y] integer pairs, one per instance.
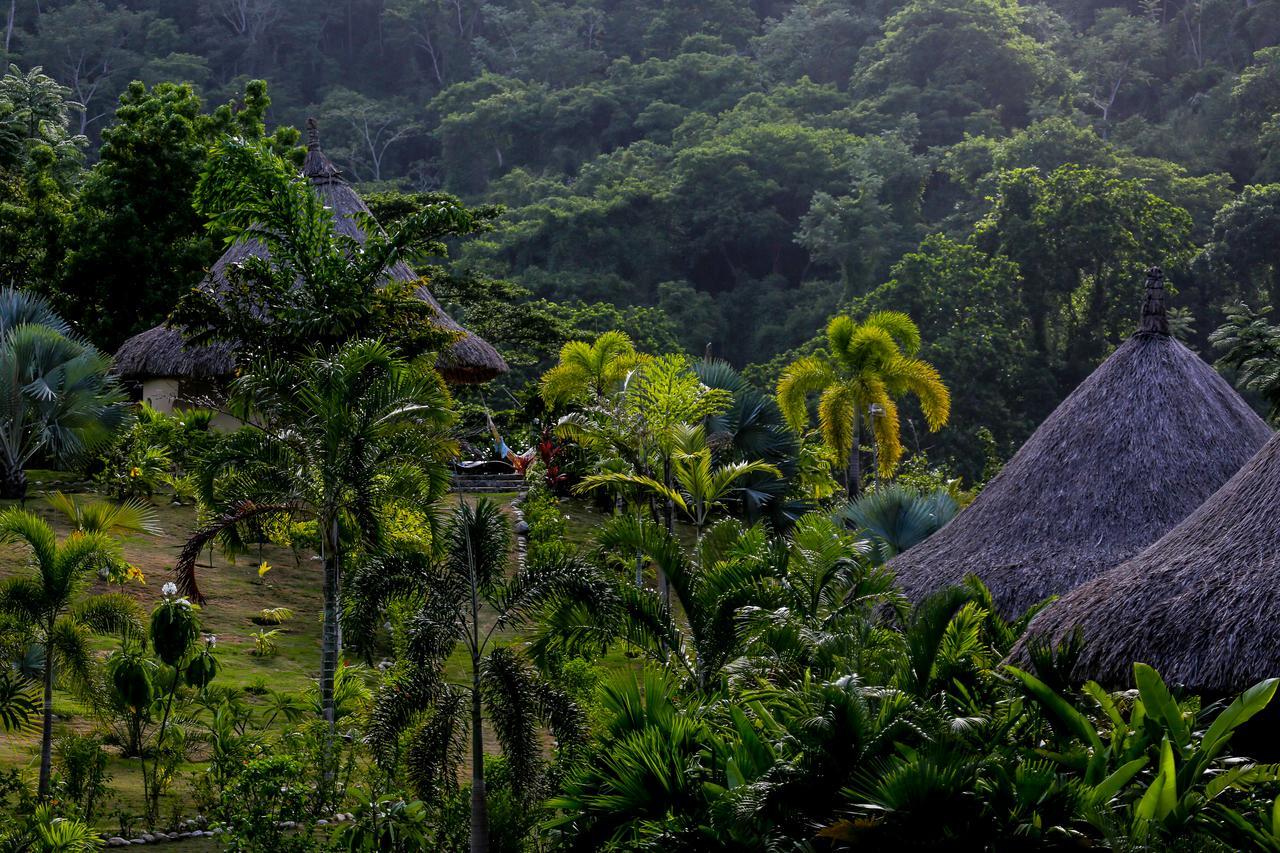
{"points": [[589, 372], [51, 605], [868, 364], [895, 517], [752, 427], [463, 600], [338, 439], [55, 393]]}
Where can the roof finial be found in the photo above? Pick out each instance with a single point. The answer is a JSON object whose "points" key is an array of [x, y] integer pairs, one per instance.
{"points": [[313, 135], [1154, 320]]}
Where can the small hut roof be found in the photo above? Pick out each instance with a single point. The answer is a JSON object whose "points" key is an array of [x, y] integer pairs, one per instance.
{"points": [[1200, 605], [1141, 443], [162, 352]]}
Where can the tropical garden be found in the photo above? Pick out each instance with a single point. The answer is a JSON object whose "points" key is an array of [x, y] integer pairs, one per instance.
{"points": [[781, 286]]}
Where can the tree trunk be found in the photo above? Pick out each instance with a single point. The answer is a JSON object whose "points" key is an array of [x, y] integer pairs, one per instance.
{"points": [[46, 735], [331, 648], [853, 474], [479, 809], [8, 30], [668, 518], [13, 482]]}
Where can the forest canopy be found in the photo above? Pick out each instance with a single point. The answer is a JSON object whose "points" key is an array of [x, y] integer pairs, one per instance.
{"points": [[719, 175]]}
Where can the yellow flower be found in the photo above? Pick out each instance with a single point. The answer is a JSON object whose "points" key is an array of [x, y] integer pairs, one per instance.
{"points": [[263, 569], [135, 471], [134, 573]]}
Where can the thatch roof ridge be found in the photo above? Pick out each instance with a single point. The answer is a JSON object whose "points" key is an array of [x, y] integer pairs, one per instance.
{"points": [[1142, 442], [1200, 605], [161, 351]]}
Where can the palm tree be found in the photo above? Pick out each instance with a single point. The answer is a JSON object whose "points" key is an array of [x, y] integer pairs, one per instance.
{"points": [[463, 600], [51, 605], [337, 439], [731, 568], [700, 486], [752, 427], [55, 393], [590, 372], [866, 368], [128, 517], [894, 517]]}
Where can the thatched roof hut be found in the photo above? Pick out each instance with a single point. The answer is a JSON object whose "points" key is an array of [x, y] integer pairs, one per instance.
{"points": [[1201, 605], [1141, 443], [160, 353]]}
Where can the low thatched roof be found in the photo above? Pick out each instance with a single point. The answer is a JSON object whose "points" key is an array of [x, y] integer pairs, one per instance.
{"points": [[1201, 605], [1141, 443], [161, 352]]}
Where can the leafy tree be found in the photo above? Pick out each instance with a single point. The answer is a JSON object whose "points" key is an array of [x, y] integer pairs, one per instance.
{"points": [[1115, 57], [56, 396], [137, 244], [93, 48], [974, 327], [867, 364], [1241, 250], [959, 65], [320, 286], [366, 130], [51, 604], [446, 598], [35, 110], [1081, 237], [343, 437], [1251, 345]]}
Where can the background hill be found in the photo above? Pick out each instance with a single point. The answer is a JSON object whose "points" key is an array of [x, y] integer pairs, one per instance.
{"points": [[729, 173]]}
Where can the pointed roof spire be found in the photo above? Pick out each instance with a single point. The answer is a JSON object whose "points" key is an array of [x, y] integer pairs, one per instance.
{"points": [[1154, 320], [317, 166]]}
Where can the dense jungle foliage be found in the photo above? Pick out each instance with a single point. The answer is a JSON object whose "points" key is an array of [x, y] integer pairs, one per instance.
{"points": [[719, 175]]}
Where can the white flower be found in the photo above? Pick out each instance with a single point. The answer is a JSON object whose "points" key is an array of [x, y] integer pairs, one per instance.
{"points": [[169, 589], [211, 640]]}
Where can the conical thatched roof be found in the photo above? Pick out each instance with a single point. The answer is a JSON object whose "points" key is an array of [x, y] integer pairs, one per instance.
{"points": [[1201, 605], [160, 351], [1141, 443]]}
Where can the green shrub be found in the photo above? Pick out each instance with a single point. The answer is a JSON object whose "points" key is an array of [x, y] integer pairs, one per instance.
{"points": [[81, 765], [264, 796]]}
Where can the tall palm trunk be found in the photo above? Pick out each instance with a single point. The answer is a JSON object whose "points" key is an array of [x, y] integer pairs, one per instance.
{"points": [[669, 519], [853, 474], [331, 647], [479, 808], [46, 735]]}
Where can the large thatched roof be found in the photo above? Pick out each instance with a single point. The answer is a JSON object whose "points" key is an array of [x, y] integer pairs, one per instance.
{"points": [[1201, 605], [160, 352], [1141, 443]]}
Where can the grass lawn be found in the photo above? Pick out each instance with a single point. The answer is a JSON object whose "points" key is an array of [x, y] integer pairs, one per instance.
{"points": [[235, 593]]}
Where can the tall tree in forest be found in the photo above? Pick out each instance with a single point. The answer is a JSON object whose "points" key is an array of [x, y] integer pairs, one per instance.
{"points": [[137, 242]]}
